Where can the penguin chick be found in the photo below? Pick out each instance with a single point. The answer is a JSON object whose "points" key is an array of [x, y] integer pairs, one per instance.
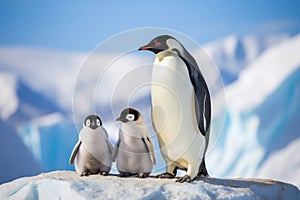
{"points": [[92, 153], [133, 152]]}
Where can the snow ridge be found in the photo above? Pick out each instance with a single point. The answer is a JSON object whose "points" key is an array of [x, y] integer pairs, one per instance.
{"points": [[68, 185]]}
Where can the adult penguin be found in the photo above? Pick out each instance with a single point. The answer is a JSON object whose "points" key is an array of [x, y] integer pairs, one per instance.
{"points": [[181, 108]]}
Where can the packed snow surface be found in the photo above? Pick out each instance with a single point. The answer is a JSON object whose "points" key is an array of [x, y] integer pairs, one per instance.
{"points": [[69, 185]]}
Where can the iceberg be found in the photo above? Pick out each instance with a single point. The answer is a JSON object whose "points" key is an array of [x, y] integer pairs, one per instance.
{"points": [[262, 117]]}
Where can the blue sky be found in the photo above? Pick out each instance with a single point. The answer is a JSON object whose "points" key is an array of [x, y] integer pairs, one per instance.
{"points": [[80, 26]]}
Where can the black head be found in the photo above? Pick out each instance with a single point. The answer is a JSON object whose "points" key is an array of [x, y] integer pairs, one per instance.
{"points": [[158, 44], [92, 121], [129, 114]]}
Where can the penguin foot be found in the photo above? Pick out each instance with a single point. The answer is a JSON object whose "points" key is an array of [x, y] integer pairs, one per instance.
{"points": [[203, 175], [124, 174], [103, 173], [86, 173], [202, 172], [185, 178], [142, 175], [165, 175]]}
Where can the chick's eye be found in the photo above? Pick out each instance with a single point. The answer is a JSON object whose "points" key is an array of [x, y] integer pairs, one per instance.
{"points": [[98, 122], [157, 44], [130, 117], [88, 122]]}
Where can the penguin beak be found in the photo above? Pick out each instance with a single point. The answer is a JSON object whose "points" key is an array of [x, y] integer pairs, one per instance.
{"points": [[146, 47], [120, 119], [150, 48]]}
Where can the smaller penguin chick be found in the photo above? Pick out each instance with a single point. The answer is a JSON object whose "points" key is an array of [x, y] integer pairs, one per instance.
{"points": [[92, 153], [133, 152]]}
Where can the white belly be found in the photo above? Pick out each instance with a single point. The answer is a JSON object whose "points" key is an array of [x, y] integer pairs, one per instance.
{"points": [[173, 113]]}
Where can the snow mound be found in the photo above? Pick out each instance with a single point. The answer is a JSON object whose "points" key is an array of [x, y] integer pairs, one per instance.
{"points": [[68, 185]]}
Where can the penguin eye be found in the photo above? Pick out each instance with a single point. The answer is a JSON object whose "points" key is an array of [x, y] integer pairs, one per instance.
{"points": [[130, 117], [98, 122], [87, 122], [157, 44]]}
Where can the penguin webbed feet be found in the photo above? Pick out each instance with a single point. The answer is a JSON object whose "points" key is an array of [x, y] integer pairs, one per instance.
{"points": [[85, 173], [103, 173], [142, 175], [203, 175], [124, 174], [183, 179], [202, 172], [165, 175], [138, 175]]}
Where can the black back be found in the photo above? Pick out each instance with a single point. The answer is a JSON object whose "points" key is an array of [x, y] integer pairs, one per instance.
{"points": [[202, 97]]}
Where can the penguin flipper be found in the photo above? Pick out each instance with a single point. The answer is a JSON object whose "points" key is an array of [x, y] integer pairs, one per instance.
{"points": [[202, 97], [150, 148], [115, 151], [74, 152]]}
